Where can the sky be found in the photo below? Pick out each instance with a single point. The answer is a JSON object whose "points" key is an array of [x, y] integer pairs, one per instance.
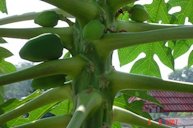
{"points": [[18, 7]]}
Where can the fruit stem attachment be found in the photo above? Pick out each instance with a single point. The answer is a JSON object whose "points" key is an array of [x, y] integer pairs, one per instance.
{"points": [[80, 9], [125, 116], [114, 41], [87, 101], [71, 67], [121, 81], [65, 19], [51, 96], [50, 122]]}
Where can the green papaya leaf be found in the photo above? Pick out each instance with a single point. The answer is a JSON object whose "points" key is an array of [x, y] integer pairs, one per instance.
{"points": [[186, 10], [171, 44], [6, 67], [64, 107], [31, 116], [146, 66], [124, 16], [116, 125], [127, 55], [1, 96], [4, 53], [5, 105], [121, 101], [137, 107], [158, 11], [28, 117], [181, 47], [14, 103], [2, 41], [190, 59], [48, 82], [3, 6]]}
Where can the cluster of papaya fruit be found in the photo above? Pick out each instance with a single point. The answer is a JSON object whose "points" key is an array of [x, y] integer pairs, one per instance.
{"points": [[49, 46], [45, 47]]}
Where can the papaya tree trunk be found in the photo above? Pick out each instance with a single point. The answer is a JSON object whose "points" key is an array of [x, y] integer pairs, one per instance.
{"points": [[93, 81]]}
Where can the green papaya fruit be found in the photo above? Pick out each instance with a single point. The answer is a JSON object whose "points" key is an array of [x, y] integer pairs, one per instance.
{"points": [[47, 19], [93, 30], [138, 13], [44, 47], [48, 82]]}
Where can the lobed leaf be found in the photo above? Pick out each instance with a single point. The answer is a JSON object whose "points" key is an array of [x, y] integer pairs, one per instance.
{"points": [[158, 11], [147, 65], [186, 10], [181, 47]]}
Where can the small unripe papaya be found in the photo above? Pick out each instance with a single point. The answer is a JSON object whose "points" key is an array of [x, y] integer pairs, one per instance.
{"points": [[47, 19], [93, 30], [48, 82], [44, 47], [138, 13]]}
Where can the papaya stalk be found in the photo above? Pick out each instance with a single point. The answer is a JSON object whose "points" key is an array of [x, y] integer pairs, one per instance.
{"points": [[50, 122], [26, 33], [125, 116], [94, 83], [121, 81], [71, 67], [51, 96], [129, 26], [114, 41], [83, 11], [29, 16], [87, 102]]}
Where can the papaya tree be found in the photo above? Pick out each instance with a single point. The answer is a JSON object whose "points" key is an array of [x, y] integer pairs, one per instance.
{"points": [[82, 89]]}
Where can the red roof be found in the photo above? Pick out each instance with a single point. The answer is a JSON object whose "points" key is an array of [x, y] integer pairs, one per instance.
{"points": [[171, 101]]}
